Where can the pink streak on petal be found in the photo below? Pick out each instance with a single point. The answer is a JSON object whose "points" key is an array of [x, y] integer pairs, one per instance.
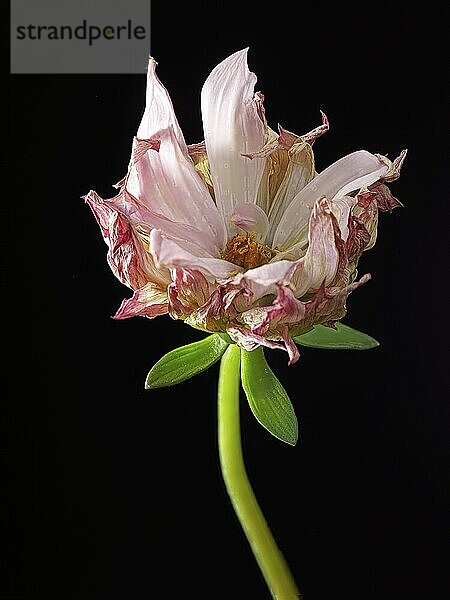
{"points": [[150, 301], [321, 260], [127, 257], [285, 307], [232, 127], [188, 291], [290, 345], [382, 195], [341, 208], [167, 183], [166, 180], [249, 341]]}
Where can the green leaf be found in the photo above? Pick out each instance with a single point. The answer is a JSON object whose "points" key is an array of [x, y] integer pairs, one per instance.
{"points": [[267, 397], [185, 362], [341, 338]]}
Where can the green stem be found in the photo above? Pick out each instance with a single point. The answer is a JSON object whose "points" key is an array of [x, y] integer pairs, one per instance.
{"points": [[269, 558]]}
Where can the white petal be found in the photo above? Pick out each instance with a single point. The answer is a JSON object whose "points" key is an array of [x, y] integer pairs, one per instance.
{"points": [[232, 127], [168, 253], [350, 173]]}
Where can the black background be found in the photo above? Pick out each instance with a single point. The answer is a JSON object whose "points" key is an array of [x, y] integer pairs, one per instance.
{"points": [[116, 492]]}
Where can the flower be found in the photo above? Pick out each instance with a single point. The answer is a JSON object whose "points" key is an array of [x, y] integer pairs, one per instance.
{"points": [[239, 233]]}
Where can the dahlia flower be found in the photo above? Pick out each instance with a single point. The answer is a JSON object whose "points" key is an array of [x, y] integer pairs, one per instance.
{"points": [[239, 233], [240, 236]]}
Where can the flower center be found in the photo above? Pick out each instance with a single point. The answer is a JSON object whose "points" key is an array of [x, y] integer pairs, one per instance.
{"points": [[244, 251]]}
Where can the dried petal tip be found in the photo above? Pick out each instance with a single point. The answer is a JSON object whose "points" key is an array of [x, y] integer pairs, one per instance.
{"points": [[315, 133], [394, 167]]}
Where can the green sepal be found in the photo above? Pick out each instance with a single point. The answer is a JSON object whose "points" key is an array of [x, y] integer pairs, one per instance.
{"points": [[185, 362], [267, 398], [341, 338], [226, 338]]}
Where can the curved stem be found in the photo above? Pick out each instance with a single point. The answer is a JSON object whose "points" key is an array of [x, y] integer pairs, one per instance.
{"points": [[269, 558]]}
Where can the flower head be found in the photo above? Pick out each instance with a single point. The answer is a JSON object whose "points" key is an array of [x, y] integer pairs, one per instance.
{"points": [[239, 233]]}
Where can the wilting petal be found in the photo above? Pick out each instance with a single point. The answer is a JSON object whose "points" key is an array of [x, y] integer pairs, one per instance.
{"points": [[265, 279], [189, 291], [250, 217], [197, 152], [366, 217], [249, 341], [232, 127], [329, 305], [127, 257], [317, 132], [321, 260], [169, 254], [341, 208], [274, 171], [284, 308], [150, 301], [358, 239], [394, 167], [285, 140], [354, 171], [300, 171], [289, 167], [284, 311], [383, 197]]}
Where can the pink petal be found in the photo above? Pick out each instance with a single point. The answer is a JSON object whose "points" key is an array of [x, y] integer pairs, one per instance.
{"points": [[249, 341], [285, 307], [168, 253], [166, 181], [265, 279], [159, 114], [127, 257], [352, 172], [321, 260], [150, 301], [188, 236], [189, 291], [232, 127], [250, 218]]}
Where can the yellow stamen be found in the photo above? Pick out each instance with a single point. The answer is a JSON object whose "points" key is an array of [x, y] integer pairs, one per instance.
{"points": [[244, 251]]}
